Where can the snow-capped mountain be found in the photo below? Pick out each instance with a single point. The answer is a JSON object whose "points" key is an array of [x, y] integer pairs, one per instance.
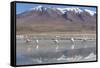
{"points": [[39, 8], [67, 19], [77, 10], [63, 10], [90, 12]]}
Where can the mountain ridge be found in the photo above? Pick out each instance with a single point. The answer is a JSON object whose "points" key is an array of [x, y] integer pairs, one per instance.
{"points": [[42, 19]]}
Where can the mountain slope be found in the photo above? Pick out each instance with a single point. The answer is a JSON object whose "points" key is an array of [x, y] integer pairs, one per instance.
{"points": [[43, 20]]}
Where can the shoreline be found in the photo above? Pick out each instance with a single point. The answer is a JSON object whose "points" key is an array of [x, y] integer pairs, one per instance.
{"points": [[68, 35]]}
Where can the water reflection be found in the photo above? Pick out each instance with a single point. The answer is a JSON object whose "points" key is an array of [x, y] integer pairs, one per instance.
{"points": [[55, 51]]}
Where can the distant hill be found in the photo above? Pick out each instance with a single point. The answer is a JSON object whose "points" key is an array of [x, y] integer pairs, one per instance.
{"points": [[43, 20]]}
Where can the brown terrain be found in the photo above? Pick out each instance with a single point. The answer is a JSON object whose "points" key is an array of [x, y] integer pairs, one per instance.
{"points": [[52, 21]]}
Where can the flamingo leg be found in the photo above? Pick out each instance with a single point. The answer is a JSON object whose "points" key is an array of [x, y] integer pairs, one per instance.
{"points": [[57, 48], [73, 46]]}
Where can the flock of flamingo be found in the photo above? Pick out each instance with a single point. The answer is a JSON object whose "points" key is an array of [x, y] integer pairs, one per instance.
{"points": [[56, 42]]}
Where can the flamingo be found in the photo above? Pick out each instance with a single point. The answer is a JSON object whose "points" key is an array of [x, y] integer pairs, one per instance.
{"points": [[27, 39], [56, 42], [72, 40], [37, 46], [84, 41]]}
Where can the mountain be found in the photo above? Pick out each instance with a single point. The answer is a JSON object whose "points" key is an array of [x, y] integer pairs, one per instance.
{"points": [[45, 19]]}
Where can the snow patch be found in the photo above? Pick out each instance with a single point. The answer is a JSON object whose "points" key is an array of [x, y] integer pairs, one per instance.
{"points": [[61, 10], [90, 12], [76, 10], [39, 8]]}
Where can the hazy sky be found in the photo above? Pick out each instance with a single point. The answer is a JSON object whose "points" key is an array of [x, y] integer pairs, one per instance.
{"points": [[20, 7]]}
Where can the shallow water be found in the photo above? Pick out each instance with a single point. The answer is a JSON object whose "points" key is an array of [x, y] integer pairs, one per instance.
{"points": [[27, 53]]}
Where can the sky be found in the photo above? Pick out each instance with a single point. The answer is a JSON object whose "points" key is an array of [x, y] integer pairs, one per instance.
{"points": [[20, 7]]}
